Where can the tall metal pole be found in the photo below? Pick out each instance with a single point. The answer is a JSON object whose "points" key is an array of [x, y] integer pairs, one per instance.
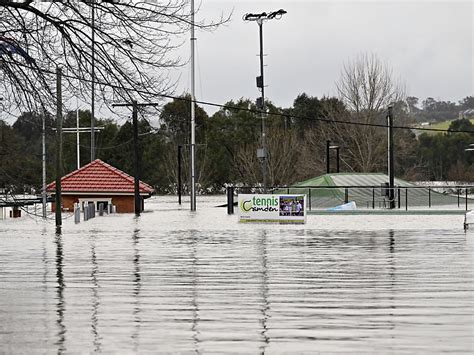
{"points": [[78, 150], [135, 159], [180, 147], [264, 148], [43, 139], [391, 171], [93, 85], [337, 159], [193, 119], [59, 147], [260, 18]]}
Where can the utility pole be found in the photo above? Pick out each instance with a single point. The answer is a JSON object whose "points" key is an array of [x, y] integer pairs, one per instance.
{"points": [[43, 139], [180, 147], [77, 131], [193, 117], [93, 85], [138, 205], [59, 147], [78, 150], [391, 171]]}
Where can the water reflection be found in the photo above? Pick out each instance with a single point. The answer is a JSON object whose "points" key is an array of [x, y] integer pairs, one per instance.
{"points": [[95, 297], [142, 286], [137, 285], [61, 304], [194, 282], [392, 276], [44, 259], [262, 247]]}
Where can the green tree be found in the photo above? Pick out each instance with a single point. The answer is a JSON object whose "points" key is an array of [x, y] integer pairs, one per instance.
{"points": [[462, 124]]}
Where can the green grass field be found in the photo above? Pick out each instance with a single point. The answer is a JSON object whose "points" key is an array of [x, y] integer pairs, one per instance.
{"points": [[443, 125]]}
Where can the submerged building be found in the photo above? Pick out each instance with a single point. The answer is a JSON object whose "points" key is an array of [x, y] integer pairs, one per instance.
{"points": [[100, 183]]}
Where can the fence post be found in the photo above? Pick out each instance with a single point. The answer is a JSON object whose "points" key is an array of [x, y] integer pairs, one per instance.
{"points": [[399, 199], [429, 196], [230, 199], [406, 198], [346, 195], [466, 198], [309, 199], [373, 198], [77, 213]]}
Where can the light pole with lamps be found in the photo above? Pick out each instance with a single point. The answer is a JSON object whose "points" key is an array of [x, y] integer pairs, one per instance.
{"points": [[260, 18]]}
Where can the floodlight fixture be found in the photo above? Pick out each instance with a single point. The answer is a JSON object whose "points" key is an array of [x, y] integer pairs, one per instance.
{"points": [[276, 14]]}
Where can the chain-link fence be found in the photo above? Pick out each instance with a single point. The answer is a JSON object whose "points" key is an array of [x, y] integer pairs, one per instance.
{"points": [[377, 197]]}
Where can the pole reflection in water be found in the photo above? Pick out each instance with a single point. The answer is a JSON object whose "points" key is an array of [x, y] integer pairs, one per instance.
{"points": [[95, 298], [137, 285], [195, 305], [45, 275], [392, 276], [61, 305], [264, 291], [178, 284]]}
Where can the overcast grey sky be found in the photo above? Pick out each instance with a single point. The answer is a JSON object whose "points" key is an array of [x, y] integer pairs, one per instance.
{"points": [[428, 44]]}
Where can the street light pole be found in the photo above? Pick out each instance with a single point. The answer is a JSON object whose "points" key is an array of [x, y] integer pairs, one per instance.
{"points": [[262, 153], [193, 118], [59, 148], [93, 85], [262, 88], [43, 141], [391, 165]]}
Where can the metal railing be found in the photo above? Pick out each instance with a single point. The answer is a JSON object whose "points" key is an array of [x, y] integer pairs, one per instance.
{"points": [[371, 197]]}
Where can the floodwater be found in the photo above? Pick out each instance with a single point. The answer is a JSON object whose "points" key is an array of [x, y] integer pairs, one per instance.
{"points": [[182, 282]]}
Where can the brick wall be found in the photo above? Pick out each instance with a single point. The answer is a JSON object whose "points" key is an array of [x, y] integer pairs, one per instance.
{"points": [[124, 204]]}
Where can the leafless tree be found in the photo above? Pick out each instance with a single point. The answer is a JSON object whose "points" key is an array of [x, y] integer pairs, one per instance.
{"points": [[284, 151], [367, 87], [135, 47]]}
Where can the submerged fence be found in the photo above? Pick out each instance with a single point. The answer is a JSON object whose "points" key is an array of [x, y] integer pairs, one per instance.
{"points": [[372, 197]]}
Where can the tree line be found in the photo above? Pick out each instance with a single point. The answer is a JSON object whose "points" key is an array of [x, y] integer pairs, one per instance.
{"points": [[228, 139], [124, 50]]}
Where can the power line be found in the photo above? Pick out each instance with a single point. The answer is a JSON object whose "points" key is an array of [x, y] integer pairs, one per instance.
{"points": [[222, 106]]}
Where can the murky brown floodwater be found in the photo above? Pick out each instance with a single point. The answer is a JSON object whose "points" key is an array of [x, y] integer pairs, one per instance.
{"points": [[174, 281]]}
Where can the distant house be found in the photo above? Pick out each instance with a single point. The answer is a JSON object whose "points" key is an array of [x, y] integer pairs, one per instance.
{"points": [[100, 182]]}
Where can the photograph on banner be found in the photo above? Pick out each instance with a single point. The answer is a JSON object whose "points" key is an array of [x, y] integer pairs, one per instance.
{"points": [[292, 205]]}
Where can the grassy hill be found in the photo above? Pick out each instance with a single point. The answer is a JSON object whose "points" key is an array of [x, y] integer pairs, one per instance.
{"points": [[443, 125]]}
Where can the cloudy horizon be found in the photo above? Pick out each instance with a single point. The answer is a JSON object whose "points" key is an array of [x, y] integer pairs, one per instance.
{"points": [[427, 44]]}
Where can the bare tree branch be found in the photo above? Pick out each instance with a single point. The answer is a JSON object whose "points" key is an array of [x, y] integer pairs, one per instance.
{"points": [[135, 48]]}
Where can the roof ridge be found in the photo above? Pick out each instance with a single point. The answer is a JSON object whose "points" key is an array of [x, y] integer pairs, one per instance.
{"points": [[74, 172], [123, 174], [117, 171], [119, 174]]}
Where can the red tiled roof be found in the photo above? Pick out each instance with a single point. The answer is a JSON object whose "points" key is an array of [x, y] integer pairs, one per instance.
{"points": [[98, 176]]}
